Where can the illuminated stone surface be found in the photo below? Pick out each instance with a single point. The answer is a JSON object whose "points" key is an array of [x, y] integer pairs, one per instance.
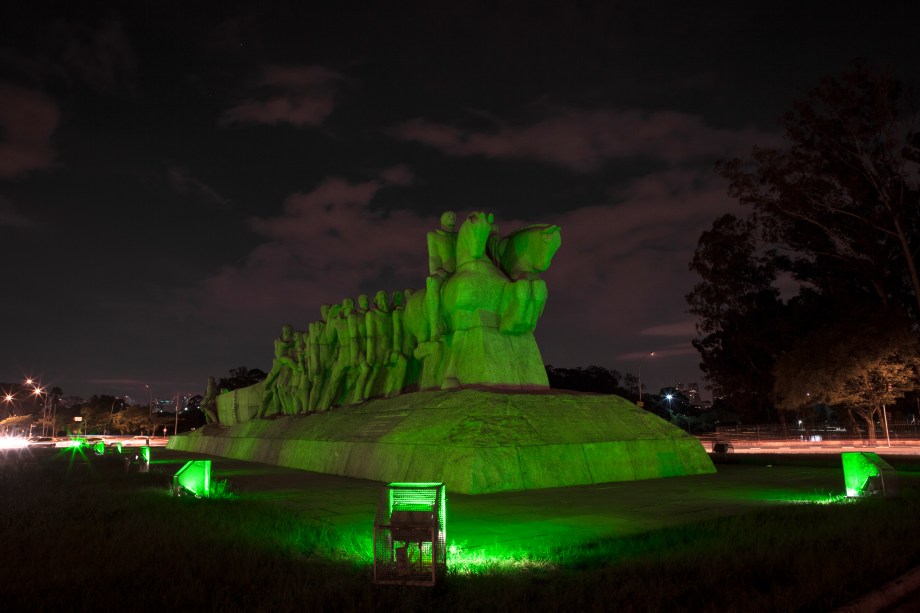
{"points": [[474, 441], [472, 324]]}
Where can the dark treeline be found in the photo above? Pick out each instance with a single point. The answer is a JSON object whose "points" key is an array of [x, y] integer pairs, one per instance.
{"points": [[592, 378], [833, 217]]}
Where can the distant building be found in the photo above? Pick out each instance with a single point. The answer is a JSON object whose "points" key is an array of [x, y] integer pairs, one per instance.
{"points": [[691, 391]]}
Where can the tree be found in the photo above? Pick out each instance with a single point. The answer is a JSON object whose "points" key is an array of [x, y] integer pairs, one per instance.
{"points": [[739, 312], [859, 368], [132, 419], [836, 210], [241, 377], [843, 198], [595, 379]]}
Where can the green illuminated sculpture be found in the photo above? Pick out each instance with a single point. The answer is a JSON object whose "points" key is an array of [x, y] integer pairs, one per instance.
{"points": [[488, 307], [444, 384], [472, 325]]}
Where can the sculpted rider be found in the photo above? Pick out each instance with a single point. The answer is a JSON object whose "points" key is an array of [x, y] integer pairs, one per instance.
{"points": [[442, 262]]}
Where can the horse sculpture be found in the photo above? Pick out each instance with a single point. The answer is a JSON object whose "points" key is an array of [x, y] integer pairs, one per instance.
{"points": [[490, 307]]}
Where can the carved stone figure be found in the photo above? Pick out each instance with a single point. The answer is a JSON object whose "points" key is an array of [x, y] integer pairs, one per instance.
{"points": [[401, 356], [379, 345], [527, 252], [209, 402], [361, 368], [493, 308], [337, 334], [442, 262], [278, 376], [320, 355], [295, 392]]}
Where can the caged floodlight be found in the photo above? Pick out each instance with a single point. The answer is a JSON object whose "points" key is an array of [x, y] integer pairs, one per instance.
{"points": [[866, 474], [99, 448], [409, 534], [194, 478]]}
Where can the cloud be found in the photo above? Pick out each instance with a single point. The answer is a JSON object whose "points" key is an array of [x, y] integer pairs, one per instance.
{"points": [[583, 141], [28, 119], [301, 96], [616, 286], [101, 57], [187, 185], [325, 245]]}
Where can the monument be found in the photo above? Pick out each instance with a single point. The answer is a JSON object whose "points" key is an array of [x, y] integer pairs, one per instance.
{"points": [[444, 384]]}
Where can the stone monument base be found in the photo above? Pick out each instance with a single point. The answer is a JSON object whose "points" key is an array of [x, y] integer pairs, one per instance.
{"points": [[475, 441]]}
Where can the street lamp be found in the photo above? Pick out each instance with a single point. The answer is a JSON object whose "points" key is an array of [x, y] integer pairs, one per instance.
{"points": [[639, 376], [37, 393], [8, 399], [176, 429], [150, 403]]}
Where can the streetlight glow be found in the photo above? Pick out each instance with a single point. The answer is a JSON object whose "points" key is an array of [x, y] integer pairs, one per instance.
{"points": [[639, 376]]}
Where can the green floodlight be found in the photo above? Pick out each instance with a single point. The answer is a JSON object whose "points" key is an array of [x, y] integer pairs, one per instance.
{"points": [[410, 534], [118, 447], [99, 447], [142, 457], [194, 478], [866, 474]]}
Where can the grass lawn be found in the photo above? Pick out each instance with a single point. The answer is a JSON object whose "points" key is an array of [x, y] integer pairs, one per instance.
{"points": [[78, 533]]}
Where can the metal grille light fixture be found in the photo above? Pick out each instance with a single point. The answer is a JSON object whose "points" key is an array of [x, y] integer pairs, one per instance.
{"points": [[410, 534]]}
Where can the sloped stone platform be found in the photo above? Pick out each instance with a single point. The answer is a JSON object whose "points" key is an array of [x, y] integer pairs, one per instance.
{"points": [[474, 441]]}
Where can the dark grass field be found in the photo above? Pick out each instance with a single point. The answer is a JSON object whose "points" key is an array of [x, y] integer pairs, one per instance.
{"points": [[78, 533]]}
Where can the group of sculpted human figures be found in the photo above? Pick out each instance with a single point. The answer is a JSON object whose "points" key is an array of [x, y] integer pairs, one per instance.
{"points": [[353, 353], [482, 298]]}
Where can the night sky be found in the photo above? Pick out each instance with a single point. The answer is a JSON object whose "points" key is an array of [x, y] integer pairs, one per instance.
{"points": [[178, 180]]}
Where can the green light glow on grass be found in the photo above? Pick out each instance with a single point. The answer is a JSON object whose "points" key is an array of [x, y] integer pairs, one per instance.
{"points": [[817, 498], [477, 561], [194, 477]]}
